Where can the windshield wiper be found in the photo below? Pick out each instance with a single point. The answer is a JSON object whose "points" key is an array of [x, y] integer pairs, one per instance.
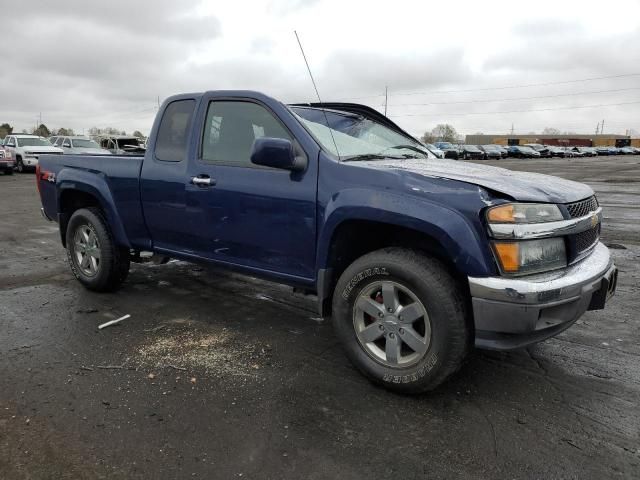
{"points": [[373, 156], [411, 147]]}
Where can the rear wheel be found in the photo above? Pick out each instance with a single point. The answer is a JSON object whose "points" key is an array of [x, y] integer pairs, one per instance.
{"points": [[402, 319], [95, 260]]}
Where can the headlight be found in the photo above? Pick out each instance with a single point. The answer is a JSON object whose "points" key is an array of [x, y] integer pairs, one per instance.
{"points": [[527, 256], [531, 256], [524, 213]]}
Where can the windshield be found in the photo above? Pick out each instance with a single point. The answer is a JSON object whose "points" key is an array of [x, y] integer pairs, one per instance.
{"points": [[32, 142], [84, 143], [490, 147], [471, 148], [357, 136], [442, 145]]}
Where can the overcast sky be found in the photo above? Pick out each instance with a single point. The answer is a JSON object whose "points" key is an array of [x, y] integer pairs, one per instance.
{"points": [[481, 66]]}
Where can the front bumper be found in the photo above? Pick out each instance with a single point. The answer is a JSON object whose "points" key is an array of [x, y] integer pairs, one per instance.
{"points": [[511, 313]]}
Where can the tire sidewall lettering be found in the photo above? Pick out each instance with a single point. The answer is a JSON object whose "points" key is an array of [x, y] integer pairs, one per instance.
{"points": [[358, 277]]}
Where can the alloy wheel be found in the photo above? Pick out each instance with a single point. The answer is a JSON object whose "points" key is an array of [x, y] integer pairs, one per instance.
{"points": [[87, 250], [391, 324]]}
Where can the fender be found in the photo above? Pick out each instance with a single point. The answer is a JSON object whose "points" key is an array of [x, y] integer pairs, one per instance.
{"points": [[452, 230], [95, 185]]}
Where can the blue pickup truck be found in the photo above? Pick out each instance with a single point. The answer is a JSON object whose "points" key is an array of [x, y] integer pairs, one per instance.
{"points": [[417, 259]]}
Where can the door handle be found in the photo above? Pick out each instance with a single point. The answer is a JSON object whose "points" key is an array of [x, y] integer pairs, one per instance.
{"points": [[203, 181]]}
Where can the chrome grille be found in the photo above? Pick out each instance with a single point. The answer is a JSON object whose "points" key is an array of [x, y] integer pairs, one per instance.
{"points": [[583, 207]]}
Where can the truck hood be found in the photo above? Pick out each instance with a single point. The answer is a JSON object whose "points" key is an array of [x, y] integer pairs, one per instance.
{"points": [[522, 186], [91, 151], [40, 149]]}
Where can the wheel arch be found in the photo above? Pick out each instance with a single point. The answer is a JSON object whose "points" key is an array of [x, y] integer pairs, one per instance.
{"points": [[74, 193], [450, 239]]}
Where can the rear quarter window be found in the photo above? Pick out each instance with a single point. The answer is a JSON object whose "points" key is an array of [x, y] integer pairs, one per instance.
{"points": [[173, 132]]}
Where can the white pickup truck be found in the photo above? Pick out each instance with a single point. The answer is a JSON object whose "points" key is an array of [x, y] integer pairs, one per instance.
{"points": [[26, 149]]}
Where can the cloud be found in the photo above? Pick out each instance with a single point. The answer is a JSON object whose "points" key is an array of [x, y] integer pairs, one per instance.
{"points": [[86, 63]]}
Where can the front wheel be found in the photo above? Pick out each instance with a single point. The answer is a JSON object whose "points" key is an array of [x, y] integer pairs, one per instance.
{"points": [[402, 319], [20, 165], [95, 260]]}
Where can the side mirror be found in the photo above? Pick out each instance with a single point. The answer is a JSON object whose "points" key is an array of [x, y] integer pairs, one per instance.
{"points": [[277, 153]]}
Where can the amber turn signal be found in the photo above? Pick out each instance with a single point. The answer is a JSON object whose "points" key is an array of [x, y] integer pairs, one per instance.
{"points": [[509, 256], [502, 214]]}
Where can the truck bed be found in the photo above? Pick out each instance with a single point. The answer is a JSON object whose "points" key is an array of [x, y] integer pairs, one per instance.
{"points": [[114, 176]]}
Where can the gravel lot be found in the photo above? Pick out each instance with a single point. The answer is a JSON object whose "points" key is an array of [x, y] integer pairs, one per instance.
{"points": [[221, 376]]}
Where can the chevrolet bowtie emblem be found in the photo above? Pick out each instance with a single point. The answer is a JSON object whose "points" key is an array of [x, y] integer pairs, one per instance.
{"points": [[594, 220]]}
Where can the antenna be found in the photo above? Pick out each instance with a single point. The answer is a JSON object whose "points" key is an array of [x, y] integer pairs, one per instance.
{"points": [[326, 119]]}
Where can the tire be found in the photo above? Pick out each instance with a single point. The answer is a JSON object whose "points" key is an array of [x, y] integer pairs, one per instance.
{"points": [[105, 271], [19, 165], [445, 332]]}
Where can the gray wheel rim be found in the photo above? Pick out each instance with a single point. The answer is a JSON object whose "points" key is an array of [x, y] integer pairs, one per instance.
{"points": [[391, 324], [87, 250]]}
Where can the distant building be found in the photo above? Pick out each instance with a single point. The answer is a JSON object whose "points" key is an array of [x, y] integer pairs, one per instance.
{"points": [[559, 140]]}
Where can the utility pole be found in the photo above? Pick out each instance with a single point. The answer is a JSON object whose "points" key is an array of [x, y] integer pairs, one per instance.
{"points": [[386, 98], [158, 102], [511, 128], [602, 128]]}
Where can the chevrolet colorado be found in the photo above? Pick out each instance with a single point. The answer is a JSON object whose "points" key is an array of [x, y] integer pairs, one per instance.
{"points": [[417, 259]]}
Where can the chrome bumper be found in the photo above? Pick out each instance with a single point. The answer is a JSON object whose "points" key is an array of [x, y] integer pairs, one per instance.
{"points": [[514, 312]]}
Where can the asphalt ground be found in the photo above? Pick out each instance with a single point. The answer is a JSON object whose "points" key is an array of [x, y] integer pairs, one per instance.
{"points": [[216, 375]]}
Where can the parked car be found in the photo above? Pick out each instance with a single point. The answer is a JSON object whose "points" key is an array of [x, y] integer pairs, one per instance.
{"points": [[541, 149], [435, 150], [603, 150], [503, 150], [122, 144], [415, 260], [614, 151], [26, 149], [471, 152], [585, 151], [562, 152], [636, 150], [490, 152], [77, 145], [7, 162], [575, 152], [449, 149], [518, 151], [627, 151]]}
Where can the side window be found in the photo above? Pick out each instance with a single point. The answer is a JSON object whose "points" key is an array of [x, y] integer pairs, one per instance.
{"points": [[230, 129], [66, 143], [11, 142], [173, 132]]}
